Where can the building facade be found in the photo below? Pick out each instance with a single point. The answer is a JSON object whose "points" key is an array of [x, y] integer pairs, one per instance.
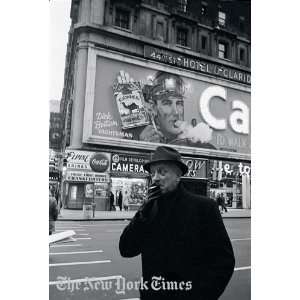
{"points": [[55, 126], [123, 59], [55, 143]]}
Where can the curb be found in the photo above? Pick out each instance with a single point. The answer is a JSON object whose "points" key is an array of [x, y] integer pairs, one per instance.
{"points": [[128, 219], [85, 220]]}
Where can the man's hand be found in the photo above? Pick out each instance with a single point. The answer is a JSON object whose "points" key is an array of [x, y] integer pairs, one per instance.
{"points": [[149, 134], [149, 209], [124, 78]]}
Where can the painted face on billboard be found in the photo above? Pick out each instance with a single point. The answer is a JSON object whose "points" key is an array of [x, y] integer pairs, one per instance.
{"points": [[167, 94], [168, 111]]}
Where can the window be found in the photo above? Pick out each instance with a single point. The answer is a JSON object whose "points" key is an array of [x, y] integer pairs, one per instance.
{"points": [[122, 18], [242, 54], [222, 50], [203, 9], [182, 35], [73, 192], [203, 42], [242, 23], [222, 18], [160, 31], [182, 4]]}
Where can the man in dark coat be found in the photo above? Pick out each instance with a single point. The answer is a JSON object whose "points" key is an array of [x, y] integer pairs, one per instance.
{"points": [[186, 251], [120, 200], [111, 201], [221, 202], [53, 212]]}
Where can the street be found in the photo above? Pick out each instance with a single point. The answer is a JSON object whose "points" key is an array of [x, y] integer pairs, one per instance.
{"points": [[90, 267]]}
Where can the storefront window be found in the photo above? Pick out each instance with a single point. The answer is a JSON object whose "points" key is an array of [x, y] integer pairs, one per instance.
{"points": [[89, 190], [101, 189], [136, 189], [232, 181], [73, 192]]}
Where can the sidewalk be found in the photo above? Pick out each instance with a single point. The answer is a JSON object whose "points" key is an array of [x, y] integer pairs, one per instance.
{"points": [[76, 215]]}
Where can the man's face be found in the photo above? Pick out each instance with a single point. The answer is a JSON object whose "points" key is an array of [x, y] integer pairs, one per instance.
{"points": [[168, 111], [165, 175]]}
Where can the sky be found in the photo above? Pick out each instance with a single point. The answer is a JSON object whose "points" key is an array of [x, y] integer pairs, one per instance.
{"points": [[59, 26]]}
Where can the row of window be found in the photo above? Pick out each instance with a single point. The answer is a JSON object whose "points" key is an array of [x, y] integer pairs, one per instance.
{"points": [[182, 6], [223, 52], [223, 47], [122, 20]]}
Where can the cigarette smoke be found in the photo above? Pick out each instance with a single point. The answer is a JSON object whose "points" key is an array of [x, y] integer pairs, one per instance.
{"points": [[200, 133]]}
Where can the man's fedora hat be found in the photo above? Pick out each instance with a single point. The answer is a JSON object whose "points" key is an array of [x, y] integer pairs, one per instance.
{"points": [[166, 154]]}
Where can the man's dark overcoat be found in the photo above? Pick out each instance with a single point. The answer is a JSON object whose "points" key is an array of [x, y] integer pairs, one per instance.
{"points": [[186, 242]]}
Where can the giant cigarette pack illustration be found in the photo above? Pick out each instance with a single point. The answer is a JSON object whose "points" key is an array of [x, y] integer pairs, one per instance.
{"points": [[131, 105]]}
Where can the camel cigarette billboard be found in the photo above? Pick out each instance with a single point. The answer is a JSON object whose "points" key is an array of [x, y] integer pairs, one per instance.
{"points": [[143, 104]]}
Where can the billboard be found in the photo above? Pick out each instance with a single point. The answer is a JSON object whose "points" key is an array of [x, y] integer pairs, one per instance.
{"points": [[78, 160], [144, 104], [228, 170], [197, 168], [86, 166], [128, 163]]}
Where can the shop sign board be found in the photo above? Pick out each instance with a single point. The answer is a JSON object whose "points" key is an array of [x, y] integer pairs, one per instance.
{"points": [[197, 167], [88, 161], [128, 163], [99, 162], [197, 64], [78, 176], [223, 169], [208, 116]]}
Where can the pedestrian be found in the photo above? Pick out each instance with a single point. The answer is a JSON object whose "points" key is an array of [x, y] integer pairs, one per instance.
{"points": [[219, 203], [111, 201], [185, 249], [56, 195], [126, 201], [53, 212], [222, 203], [58, 200], [94, 208], [194, 122], [120, 200]]}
